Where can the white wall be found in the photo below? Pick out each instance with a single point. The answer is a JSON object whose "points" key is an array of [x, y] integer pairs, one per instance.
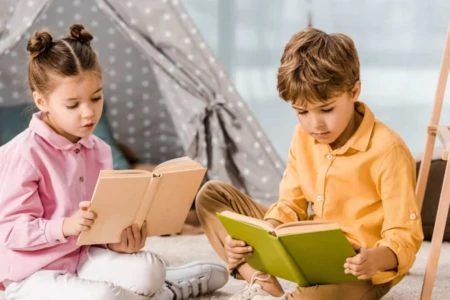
{"points": [[400, 44]]}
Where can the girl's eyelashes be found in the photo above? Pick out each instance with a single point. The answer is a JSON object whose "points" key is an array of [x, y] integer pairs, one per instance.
{"points": [[301, 112], [76, 104], [327, 109], [72, 106]]}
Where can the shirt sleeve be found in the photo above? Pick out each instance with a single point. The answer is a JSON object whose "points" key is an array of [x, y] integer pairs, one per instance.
{"points": [[291, 205], [22, 226], [402, 226]]}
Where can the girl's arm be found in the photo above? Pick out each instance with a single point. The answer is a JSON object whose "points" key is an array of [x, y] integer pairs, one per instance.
{"points": [[22, 225]]}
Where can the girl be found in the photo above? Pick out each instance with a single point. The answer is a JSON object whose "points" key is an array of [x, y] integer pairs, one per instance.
{"points": [[46, 172]]}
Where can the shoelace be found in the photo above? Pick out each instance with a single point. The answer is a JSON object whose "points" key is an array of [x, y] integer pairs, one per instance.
{"points": [[247, 292], [251, 288], [189, 289]]}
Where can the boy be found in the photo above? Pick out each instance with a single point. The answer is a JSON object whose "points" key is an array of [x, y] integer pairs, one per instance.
{"points": [[347, 166]]}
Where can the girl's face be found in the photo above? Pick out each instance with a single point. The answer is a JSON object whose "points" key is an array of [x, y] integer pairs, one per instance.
{"points": [[74, 106]]}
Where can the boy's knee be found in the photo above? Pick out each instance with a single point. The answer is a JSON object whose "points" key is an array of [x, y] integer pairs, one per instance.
{"points": [[207, 192]]}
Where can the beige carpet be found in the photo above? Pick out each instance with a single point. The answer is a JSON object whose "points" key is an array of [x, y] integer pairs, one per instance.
{"points": [[179, 249]]}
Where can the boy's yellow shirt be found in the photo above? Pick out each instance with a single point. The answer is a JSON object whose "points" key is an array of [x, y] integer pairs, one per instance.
{"points": [[367, 186]]}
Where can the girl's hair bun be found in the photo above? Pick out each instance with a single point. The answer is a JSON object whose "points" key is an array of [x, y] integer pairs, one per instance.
{"points": [[39, 43], [78, 33]]}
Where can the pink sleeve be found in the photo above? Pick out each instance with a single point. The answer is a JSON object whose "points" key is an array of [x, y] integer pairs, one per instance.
{"points": [[22, 226]]}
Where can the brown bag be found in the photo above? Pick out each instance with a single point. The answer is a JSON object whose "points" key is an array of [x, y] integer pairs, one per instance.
{"points": [[431, 199]]}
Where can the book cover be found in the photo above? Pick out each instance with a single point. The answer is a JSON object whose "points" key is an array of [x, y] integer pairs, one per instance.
{"points": [[125, 197], [307, 253]]}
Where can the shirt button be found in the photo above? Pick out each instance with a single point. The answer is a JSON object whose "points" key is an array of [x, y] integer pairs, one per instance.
{"points": [[81, 178], [412, 216], [319, 198], [329, 156], [77, 151]]}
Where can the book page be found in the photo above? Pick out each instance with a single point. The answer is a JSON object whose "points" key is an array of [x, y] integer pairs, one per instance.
{"points": [[177, 164], [257, 222], [304, 227], [171, 200]]}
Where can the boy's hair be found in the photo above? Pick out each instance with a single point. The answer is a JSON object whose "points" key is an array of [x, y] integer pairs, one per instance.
{"points": [[316, 66], [69, 56]]}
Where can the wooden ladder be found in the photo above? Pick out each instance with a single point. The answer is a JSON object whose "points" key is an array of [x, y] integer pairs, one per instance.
{"points": [[443, 132]]}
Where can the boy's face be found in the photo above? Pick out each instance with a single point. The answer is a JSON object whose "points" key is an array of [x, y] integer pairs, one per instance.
{"points": [[330, 122], [74, 107]]}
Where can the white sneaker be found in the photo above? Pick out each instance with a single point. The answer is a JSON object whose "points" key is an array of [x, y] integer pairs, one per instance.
{"points": [[254, 291], [195, 279]]}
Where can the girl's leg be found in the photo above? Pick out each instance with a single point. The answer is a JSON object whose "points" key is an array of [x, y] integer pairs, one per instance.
{"points": [[142, 273], [54, 285]]}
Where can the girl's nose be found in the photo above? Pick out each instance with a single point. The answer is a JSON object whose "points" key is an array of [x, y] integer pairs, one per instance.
{"points": [[87, 112]]}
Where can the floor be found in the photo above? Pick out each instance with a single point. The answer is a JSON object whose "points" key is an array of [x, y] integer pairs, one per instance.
{"points": [[185, 248]]}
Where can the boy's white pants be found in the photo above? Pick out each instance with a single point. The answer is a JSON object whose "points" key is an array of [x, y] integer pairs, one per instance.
{"points": [[105, 275]]}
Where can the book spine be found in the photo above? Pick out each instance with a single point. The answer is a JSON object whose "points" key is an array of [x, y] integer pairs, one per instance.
{"points": [[147, 200]]}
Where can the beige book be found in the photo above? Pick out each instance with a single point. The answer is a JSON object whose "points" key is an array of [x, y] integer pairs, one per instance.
{"points": [[162, 197]]}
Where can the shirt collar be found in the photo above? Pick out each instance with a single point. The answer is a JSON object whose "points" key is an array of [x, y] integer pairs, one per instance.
{"points": [[38, 126], [360, 139]]}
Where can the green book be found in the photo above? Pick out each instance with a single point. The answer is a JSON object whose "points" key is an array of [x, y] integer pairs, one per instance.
{"points": [[305, 252]]}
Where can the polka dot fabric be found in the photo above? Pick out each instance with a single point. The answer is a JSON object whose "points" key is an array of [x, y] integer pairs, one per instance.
{"points": [[166, 93]]}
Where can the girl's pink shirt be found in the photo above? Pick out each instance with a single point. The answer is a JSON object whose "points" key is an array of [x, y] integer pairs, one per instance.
{"points": [[43, 177]]}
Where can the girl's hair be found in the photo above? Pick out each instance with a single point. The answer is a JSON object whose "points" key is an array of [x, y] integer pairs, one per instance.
{"points": [[316, 66], [69, 56]]}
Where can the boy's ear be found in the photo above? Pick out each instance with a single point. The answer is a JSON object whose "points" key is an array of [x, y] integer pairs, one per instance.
{"points": [[40, 101], [356, 90]]}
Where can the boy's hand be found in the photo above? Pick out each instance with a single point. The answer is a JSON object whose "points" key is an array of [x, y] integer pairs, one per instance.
{"points": [[369, 261], [81, 220], [132, 239], [236, 250], [363, 265]]}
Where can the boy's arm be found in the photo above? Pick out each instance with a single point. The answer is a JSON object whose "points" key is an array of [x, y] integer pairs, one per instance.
{"points": [[291, 204], [402, 228]]}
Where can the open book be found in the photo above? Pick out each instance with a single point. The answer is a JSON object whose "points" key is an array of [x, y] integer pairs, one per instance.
{"points": [[125, 197], [305, 252]]}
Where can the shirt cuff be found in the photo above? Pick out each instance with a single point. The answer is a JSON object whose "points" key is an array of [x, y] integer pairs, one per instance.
{"points": [[53, 231], [403, 264], [282, 213]]}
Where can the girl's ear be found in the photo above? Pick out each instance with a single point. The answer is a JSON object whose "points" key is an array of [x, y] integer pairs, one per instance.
{"points": [[356, 91], [40, 101]]}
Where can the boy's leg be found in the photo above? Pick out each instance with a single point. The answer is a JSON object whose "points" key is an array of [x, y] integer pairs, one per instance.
{"points": [[54, 285], [216, 196], [345, 291]]}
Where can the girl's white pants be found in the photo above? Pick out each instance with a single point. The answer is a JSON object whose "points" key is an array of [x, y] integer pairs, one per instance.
{"points": [[104, 275]]}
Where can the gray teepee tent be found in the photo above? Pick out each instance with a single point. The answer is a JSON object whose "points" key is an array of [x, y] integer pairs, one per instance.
{"points": [[166, 93]]}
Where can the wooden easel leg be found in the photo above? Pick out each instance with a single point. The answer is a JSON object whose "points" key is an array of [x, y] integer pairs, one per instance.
{"points": [[438, 235]]}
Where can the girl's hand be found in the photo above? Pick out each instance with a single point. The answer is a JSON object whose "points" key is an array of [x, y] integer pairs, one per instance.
{"points": [[132, 239], [81, 220], [236, 250]]}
